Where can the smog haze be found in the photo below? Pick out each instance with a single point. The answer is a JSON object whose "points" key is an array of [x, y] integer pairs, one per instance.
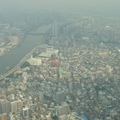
{"points": [[95, 6]]}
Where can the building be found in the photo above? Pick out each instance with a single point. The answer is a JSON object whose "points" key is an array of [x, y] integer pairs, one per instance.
{"points": [[5, 107], [1, 51], [63, 110], [11, 117], [54, 63], [63, 117], [44, 55], [66, 109], [25, 112], [34, 61], [41, 96], [13, 106], [3, 116], [48, 52], [49, 116], [60, 97], [19, 104]]}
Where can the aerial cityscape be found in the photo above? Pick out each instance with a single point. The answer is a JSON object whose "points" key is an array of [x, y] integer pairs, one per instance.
{"points": [[59, 65]]}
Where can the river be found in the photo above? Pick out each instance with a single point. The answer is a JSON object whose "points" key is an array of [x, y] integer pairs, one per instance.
{"points": [[15, 55]]}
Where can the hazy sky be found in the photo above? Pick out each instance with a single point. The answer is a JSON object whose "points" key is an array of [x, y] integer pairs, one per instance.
{"points": [[60, 4]]}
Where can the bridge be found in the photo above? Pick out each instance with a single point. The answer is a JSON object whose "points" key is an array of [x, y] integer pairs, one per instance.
{"points": [[19, 64], [36, 33]]}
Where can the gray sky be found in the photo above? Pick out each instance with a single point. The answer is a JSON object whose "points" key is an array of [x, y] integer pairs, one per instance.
{"points": [[60, 4]]}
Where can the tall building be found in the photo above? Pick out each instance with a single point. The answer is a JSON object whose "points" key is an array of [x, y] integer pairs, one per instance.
{"points": [[38, 97], [70, 85], [55, 29], [64, 109], [63, 117], [0, 109], [41, 96], [11, 116], [49, 116], [5, 107], [13, 106], [35, 98], [25, 112], [3, 116], [19, 104], [77, 85]]}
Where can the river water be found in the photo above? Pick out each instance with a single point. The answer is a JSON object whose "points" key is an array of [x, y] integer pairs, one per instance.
{"points": [[15, 55]]}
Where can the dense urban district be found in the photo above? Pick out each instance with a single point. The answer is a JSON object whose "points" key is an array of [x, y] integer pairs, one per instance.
{"points": [[74, 75]]}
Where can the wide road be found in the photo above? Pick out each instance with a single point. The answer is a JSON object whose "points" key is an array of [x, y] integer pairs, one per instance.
{"points": [[15, 56]]}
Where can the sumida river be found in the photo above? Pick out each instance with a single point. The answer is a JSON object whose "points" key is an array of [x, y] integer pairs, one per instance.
{"points": [[13, 57]]}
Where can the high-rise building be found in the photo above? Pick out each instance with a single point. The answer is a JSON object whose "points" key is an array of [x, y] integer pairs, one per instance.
{"points": [[25, 112], [5, 107], [19, 104], [66, 109], [35, 98], [38, 97], [55, 29], [13, 107], [3, 116], [77, 85], [63, 117], [41, 96], [11, 116], [0, 109], [70, 85], [49, 116]]}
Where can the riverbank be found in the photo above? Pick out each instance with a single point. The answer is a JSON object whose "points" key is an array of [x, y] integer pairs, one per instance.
{"points": [[19, 52]]}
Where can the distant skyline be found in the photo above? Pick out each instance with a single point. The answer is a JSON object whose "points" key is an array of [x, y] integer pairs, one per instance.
{"points": [[57, 5]]}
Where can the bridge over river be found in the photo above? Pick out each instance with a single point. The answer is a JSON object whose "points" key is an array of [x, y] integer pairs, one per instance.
{"points": [[17, 56]]}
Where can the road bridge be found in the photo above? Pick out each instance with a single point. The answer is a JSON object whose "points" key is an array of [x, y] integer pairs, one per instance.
{"points": [[19, 64]]}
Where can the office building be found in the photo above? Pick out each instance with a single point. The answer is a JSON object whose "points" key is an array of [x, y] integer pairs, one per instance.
{"points": [[11, 117], [13, 106], [5, 107], [3, 116], [25, 112]]}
